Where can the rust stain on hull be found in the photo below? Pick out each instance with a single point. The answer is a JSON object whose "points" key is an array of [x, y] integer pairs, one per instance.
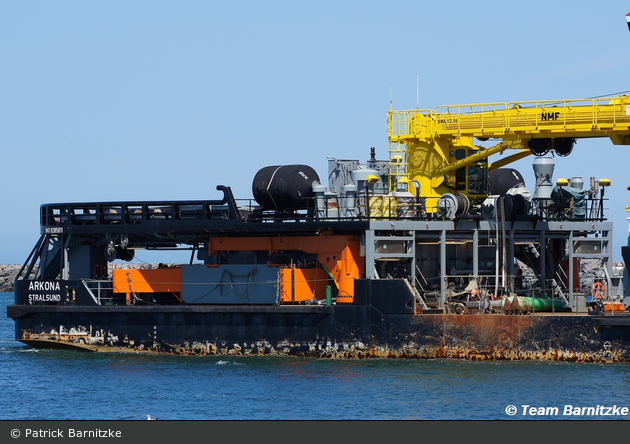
{"points": [[468, 337]]}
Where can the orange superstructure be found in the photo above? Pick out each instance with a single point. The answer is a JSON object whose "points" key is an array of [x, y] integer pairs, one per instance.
{"points": [[135, 281], [339, 255], [302, 284]]}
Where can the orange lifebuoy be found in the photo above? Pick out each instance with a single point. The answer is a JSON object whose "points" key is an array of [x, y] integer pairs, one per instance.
{"points": [[598, 290]]}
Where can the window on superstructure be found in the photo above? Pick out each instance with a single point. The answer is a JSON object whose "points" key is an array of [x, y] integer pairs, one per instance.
{"points": [[460, 174], [478, 176]]}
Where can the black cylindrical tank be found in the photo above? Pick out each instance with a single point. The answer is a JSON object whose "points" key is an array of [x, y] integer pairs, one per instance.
{"points": [[284, 187], [502, 179]]}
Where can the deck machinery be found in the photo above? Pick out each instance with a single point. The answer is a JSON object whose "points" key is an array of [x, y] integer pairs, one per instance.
{"points": [[433, 153], [426, 254]]}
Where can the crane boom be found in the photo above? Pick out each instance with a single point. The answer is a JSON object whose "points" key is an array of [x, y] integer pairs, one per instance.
{"points": [[435, 148]]}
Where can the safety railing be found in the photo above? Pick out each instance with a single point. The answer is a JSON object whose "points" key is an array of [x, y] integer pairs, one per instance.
{"points": [[133, 213], [579, 118]]}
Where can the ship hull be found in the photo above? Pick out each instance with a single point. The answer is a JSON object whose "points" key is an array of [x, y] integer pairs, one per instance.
{"points": [[342, 332], [317, 285]]}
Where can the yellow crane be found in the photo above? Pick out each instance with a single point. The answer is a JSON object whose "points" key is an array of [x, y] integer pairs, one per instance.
{"points": [[433, 150]]}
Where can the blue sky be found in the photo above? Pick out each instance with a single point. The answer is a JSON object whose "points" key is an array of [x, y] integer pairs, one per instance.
{"points": [[156, 100]]}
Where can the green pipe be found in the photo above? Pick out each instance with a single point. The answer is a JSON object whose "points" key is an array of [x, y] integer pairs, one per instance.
{"points": [[536, 304]]}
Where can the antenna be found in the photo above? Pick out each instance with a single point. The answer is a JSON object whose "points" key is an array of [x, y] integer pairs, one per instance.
{"points": [[391, 102], [417, 91]]}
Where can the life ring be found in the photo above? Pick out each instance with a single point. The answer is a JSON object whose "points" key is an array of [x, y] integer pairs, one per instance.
{"points": [[598, 290]]}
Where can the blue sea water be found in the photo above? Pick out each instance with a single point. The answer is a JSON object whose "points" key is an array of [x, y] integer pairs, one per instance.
{"points": [[69, 385]]}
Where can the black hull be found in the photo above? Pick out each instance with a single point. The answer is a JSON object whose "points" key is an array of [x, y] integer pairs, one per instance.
{"points": [[349, 332]]}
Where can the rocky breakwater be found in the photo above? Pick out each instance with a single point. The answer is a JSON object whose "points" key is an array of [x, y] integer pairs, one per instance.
{"points": [[7, 276]]}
